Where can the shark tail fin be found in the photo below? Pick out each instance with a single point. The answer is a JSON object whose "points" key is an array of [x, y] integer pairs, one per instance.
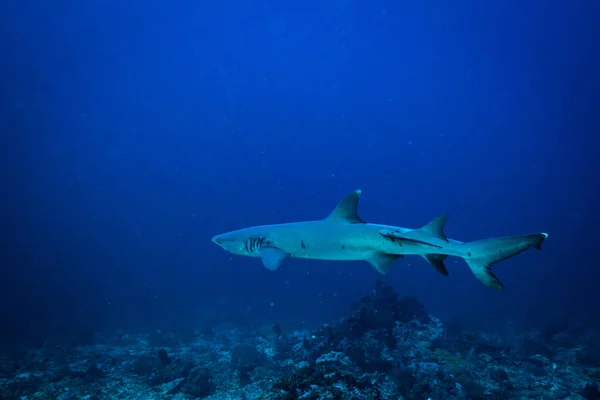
{"points": [[480, 255]]}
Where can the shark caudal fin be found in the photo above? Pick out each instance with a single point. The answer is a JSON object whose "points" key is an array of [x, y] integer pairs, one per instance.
{"points": [[482, 254]]}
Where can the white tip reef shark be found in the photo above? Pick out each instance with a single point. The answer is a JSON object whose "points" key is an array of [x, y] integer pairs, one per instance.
{"points": [[344, 236]]}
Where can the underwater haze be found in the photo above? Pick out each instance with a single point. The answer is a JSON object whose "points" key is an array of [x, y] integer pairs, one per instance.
{"points": [[132, 132]]}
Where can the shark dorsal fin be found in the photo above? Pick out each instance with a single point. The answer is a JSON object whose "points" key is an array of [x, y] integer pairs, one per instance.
{"points": [[347, 210], [436, 227]]}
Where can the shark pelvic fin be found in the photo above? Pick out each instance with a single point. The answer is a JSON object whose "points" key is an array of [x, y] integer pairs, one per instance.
{"points": [[272, 257], [436, 227], [383, 262], [347, 210], [437, 262]]}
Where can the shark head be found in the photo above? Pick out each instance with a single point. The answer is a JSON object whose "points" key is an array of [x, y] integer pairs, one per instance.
{"points": [[243, 242]]}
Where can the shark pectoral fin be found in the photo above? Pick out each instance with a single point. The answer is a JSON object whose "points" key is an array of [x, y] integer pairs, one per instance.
{"points": [[437, 262], [436, 227], [383, 262], [272, 258], [347, 210]]}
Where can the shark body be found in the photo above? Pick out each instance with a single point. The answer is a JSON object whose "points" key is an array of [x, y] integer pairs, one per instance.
{"points": [[344, 236]]}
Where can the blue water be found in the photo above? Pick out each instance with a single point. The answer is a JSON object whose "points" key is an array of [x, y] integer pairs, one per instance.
{"points": [[133, 132]]}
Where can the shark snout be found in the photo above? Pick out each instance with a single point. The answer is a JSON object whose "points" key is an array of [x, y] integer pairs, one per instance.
{"points": [[230, 243]]}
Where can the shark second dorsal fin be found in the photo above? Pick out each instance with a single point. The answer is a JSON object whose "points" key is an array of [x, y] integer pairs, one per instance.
{"points": [[436, 227], [347, 210]]}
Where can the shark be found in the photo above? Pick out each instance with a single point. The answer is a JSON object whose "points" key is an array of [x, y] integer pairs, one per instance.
{"points": [[344, 236]]}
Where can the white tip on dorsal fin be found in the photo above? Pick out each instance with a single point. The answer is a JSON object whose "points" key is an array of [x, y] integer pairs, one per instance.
{"points": [[347, 210], [436, 227]]}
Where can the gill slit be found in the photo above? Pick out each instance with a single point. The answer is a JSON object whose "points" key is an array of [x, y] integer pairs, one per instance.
{"points": [[253, 245]]}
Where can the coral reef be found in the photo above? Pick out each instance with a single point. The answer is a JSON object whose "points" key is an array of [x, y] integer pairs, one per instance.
{"points": [[385, 348]]}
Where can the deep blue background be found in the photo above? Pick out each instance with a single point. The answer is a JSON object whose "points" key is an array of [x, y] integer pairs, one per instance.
{"points": [[132, 132]]}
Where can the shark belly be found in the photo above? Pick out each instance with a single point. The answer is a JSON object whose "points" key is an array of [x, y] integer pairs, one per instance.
{"points": [[323, 241], [333, 251]]}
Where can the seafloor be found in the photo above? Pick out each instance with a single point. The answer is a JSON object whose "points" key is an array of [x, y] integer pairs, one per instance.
{"points": [[385, 348]]}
